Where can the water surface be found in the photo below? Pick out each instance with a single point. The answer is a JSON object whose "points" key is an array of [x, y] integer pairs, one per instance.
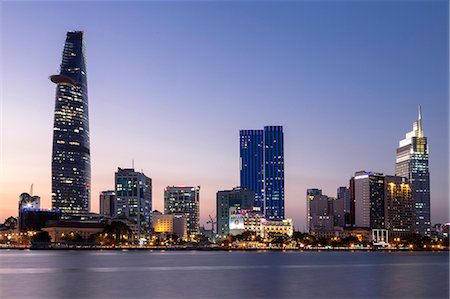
{"points": [[217, 274]]}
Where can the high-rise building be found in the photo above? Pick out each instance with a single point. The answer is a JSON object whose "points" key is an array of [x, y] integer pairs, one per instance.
{"points": [[412, 163], [399, 208], [310, 194], [107, 202], [186, 200], [368, 197], [262, 168], [252, 163], [237, 197], [134, 199], [343, 194], [71, 162], [320, 211]]}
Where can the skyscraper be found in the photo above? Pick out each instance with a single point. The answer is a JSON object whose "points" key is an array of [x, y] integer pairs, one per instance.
{"points": [[186, 200], [134, 199], [368, 196], [262, 168], [252, 163], [343, 193], [71, 162], [412, 163], [399, 208]]}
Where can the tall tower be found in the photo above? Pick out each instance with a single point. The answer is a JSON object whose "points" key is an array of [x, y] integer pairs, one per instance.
{"points": [[185, 200], [412, 163], [262, 168], [71, 162]]}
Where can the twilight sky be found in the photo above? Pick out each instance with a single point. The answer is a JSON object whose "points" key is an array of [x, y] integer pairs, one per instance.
{"points": [[171, 84]]}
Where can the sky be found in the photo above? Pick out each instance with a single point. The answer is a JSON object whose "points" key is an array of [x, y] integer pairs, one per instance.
{"points": [[171, 84]]}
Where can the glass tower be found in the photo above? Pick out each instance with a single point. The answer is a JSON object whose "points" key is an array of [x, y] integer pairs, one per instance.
{"points": [[71, 165], [185, 200], [262, 168], [412, 163]]}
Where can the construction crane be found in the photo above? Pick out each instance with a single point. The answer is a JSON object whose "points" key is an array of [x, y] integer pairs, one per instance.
{"points": [[213, 223]]}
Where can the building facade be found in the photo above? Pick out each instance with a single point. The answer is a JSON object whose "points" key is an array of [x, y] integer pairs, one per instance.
{"points": [[26, 201], [399, 206], [237, 197], [71, 162], [412, 163], [320, 211], [262, 168], [368, 198], [343, 193], [185, 200], [169, 224], [107, 203], [134, 199]]}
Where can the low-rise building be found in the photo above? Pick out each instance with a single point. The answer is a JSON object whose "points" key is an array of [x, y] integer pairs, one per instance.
{"points": [[58, 229], [170, 224], [284, 226]]}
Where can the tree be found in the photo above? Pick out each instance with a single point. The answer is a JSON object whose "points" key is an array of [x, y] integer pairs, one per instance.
{"points": [[10, 223], [41, 236], [72, 237]]}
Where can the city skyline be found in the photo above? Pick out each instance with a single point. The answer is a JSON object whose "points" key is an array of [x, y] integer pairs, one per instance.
{"points": [[325, 155]]}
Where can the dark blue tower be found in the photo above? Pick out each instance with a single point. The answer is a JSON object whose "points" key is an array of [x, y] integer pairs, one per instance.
{"points": [[252, 163], [262, 168], [274, 172], [71, 162]]}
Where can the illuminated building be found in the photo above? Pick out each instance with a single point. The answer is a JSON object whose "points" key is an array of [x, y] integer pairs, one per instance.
{"points": [[283, 227], [399, 208], [134, 199], [107, 202], [26, 201], [262, 168], [237, 197], [169, 224], [367, 191], [412, 163], [71, 165], [245, 220], [185, 200]]}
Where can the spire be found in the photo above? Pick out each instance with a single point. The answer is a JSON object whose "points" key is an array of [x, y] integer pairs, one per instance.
{"points": [[419, 123]]}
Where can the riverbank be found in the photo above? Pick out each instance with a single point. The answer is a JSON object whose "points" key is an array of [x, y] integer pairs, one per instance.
{"points": [[215, 248]]}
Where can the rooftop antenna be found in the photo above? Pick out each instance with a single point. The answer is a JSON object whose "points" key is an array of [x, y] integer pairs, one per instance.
{"points": [[132, 163], [31, 190]]}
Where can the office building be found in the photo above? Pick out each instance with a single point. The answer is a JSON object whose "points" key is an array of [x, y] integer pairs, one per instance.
{"points": [[367, 191], [185, 200], [262, 168], [71, 164], [107, 203], [399, 207], [237, 197], [320, 211], [412, 163], [170, 224], [134, 199], [343, 194]]}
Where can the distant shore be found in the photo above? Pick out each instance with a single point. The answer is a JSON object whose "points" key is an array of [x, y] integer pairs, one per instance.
{"points": [[189, 248]]}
